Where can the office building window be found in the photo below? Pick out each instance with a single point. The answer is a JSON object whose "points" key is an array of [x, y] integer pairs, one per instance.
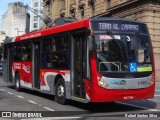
{"points": [[36, 4], [109, 3], [35, 18], [35, 25], [36, 11]]}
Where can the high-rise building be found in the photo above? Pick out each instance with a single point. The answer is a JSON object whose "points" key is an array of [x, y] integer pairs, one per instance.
{"points": [[36, 22], [16, 20], [142, 10]]}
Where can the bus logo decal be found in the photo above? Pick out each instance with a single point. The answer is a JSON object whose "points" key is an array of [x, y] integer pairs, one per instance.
{"points": [[26, 68], [118, 82], [17, 66], [31, 36]]}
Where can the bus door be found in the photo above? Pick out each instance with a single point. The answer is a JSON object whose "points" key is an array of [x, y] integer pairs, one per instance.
{"points": [[7, 72], [78, 68], [36, 65]]}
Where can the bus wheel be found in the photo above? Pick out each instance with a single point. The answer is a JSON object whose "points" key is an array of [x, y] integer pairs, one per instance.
{"points": [[17, 83], [60, 92]]}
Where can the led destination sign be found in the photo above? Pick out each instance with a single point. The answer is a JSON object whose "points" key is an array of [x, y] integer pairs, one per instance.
{"points": [[114, 26], [119, 27]]}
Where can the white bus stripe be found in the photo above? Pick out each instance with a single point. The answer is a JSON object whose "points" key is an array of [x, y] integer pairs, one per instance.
{"points": [[49, 109], [137, 106], [20, 96], [32, 102]]}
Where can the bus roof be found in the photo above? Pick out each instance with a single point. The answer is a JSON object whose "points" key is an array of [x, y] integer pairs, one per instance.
{"points": [[54, 30]]}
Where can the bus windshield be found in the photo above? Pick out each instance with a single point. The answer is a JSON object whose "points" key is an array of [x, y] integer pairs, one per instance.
{"points": [[123, 52]]}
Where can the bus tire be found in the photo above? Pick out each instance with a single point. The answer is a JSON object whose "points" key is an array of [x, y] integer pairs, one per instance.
{"points": [[17, 82], [60, 92]]}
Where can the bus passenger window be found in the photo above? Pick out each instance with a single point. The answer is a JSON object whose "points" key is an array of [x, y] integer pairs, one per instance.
{"points": [[46, 52], [46, 60], [60, 50], [26, 51], [17, 52], [25, 57]]}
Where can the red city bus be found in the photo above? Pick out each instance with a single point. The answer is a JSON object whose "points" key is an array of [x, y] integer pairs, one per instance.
{"points": [[91, 60]]}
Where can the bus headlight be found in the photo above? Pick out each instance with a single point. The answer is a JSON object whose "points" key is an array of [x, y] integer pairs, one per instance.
{"points": [[101, 83], [151, 81]]}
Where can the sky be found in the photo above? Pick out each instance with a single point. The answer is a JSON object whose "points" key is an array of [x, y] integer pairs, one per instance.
{"points": [[4, 7]]}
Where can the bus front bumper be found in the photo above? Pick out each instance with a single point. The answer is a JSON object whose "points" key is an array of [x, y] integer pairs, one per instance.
{"points": [[99, 94]]}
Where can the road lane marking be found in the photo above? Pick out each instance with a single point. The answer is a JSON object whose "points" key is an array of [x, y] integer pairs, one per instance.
{"points": [[48, 108], [20, 96], [10, 93], [32, 102], [156, 95], [2, 90], [138, 106], [157, 90]]}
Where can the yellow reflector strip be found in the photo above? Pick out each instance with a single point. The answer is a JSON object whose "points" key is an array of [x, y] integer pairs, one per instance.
{"points": [[143, 69]]}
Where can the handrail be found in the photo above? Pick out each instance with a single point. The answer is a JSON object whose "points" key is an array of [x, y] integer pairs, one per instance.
{"points": [[114, 63]]}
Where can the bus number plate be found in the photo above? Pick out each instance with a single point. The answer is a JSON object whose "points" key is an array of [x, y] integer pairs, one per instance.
{"points": [[142, 83]]}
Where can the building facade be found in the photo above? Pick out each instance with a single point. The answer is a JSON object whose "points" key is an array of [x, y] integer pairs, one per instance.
{"points": [[16, 20], [147, 11], [36, 15]]}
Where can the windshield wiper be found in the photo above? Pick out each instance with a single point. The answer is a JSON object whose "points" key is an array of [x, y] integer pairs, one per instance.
{"points": [[117, 43]]}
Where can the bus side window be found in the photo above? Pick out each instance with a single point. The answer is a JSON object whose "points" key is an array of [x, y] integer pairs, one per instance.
{"points": [[17, 52], [26, 51], [60, 49], [46, 52]]}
